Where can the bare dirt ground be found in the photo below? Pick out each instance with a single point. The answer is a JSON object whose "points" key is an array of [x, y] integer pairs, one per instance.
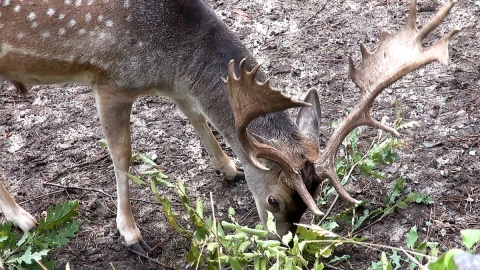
{"points": [[53, 136]]}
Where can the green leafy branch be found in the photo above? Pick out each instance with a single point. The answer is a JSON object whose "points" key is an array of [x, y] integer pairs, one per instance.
{"points": [[29, 250]]}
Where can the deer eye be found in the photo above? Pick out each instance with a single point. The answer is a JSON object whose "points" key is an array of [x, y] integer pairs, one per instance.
{"points": [[272, 202]]}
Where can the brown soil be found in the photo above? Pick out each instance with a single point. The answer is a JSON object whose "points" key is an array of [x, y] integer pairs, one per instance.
{"points": [[53, 135]]}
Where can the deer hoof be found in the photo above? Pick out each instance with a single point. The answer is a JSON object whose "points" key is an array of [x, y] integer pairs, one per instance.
{"points": [[240, 176], [141, 247], [234, 178]]}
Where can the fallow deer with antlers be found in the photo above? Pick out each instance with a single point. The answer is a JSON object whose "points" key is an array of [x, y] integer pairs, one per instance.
{"points": [[180, 49]]}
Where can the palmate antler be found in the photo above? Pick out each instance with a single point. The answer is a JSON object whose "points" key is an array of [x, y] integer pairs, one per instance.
{"points": [[397, 55], [250, 99]]}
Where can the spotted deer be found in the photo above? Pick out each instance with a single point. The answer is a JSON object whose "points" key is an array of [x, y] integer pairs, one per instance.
{"points": [[179, 49]]}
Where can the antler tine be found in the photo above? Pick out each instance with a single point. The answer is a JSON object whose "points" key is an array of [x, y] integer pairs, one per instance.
{"points": [[397, 55], [412, 15], [436, 20]]}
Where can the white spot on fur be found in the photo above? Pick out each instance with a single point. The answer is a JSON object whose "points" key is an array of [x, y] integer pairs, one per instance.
{"points": [[34, 25], [61, 16], [126, 4], [78, 3], [100, 17], [72, 23], [88, 17], [68, 2], [128, 18], [6, 3], [31, 16], [62, 31], [16, 8], [109, 23], [50, 12], [89, 2], [20, 35], [82, 31]]}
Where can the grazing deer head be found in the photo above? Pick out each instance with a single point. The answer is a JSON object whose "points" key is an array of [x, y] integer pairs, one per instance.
{"points": [[397, 55], [180, 49], [287, 178]]}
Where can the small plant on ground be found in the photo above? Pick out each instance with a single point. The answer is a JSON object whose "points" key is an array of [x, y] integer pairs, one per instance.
{"points": [[217, 244], [29, 250]]}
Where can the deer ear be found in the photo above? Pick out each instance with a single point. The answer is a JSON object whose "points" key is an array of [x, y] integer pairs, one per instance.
{"points": [[308, 118]]}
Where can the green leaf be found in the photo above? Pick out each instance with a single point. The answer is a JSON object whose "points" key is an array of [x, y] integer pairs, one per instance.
{"points": [[199, 208], [137, 180], [445, 262], [470, 237], [23, 239], [172, 217], [154, 189], [163, 182], [231, 212], [412, 237], [396, 191], [366, 169], [287, 238], [359, 221], [243, 246], [396, 259], [419, 198], [11, 237], [377, 174], [260, 263], [345, 257], [57, 238], [62, 214], [386, 265], [103, 143], [422, 247], [147, 160], [238, 228], [330, 225], [28, 257], [235, 263], [375, 266], [271, 226], [157, 173]]}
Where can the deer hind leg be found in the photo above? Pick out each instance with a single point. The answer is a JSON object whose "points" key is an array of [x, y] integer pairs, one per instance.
{"points": [[221, 162], [13, 212], [114, 111]]}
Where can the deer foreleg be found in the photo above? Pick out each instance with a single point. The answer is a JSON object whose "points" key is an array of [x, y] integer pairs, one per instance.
{"points": [[114, 111], [13, 212], [221, 162]]}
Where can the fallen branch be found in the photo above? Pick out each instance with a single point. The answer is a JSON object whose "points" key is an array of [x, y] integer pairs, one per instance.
{"points": [[94, 190]]}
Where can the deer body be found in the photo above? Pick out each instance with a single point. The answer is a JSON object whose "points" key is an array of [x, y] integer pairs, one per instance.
{"points": [[124, 49]]}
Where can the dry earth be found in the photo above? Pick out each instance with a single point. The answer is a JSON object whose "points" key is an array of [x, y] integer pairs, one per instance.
{"points": [[53, 136]]}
